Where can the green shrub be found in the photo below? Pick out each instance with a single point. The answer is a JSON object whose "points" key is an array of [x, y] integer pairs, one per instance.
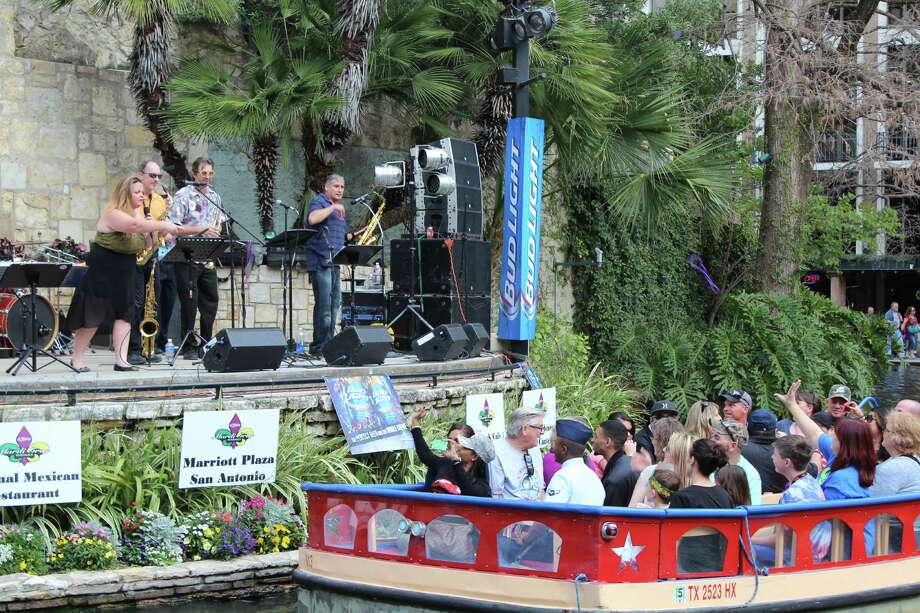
{"points": [[274, 524], [22, 550], [150, 538], [86, 547]]}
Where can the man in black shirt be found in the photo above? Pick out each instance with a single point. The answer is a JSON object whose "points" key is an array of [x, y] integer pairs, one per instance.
{"points": [[619, 478], [759, 449], [661, 408]]}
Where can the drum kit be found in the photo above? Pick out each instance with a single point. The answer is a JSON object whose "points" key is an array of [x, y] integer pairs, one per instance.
{"points": [[30, 325]]}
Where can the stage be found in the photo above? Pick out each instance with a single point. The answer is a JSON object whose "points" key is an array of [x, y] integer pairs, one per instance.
{"points": [[161, 392]]}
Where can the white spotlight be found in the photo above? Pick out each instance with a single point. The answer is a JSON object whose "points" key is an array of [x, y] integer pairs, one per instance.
{"points": [[433, 158]]}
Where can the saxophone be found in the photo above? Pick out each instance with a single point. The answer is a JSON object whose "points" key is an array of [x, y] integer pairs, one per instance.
{"points": [[144, 256], [149, 327], [369, 236]]}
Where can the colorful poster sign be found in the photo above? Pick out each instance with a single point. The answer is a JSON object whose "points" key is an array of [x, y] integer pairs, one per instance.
{"points": [[228, 448], [40, 463], [519, 280], [543, 399], [485, 413], [370, 414]]}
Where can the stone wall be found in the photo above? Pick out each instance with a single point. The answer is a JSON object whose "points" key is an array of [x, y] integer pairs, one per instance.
{"points": [[243, 577]]}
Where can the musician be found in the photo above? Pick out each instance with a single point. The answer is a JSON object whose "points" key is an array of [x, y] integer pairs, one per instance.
{"points": [[197, 283], [106, 293], [154, 208], [326, 214]]}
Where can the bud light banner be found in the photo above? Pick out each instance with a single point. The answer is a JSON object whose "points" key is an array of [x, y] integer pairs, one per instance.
{"points": [[517, 316], [370, 414]]}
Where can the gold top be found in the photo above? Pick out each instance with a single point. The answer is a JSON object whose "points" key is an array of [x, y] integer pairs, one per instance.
{"points": [[120, 242]]}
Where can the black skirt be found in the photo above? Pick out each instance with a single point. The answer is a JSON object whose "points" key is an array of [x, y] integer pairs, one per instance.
{"points": [[106, 292]]}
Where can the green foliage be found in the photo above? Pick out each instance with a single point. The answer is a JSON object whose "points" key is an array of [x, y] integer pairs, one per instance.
{"points": [[274, 524], [86, 547], [150, 538], [22, 550]]}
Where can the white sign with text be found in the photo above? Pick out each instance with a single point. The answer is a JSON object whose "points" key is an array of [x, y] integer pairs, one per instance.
{"points": [[40, 463], [228, 448], [543, 399], [486, 413]]}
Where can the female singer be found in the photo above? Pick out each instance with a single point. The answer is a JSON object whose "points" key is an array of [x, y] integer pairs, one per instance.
{"points": [[107, 291]]}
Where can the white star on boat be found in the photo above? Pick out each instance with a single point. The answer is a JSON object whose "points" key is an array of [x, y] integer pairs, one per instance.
{"points": [[628, 553]]}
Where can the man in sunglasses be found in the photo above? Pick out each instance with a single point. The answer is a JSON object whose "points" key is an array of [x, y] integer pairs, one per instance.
{"points": [[732, 436], [155, 207], [197, 282], [517, 470]]}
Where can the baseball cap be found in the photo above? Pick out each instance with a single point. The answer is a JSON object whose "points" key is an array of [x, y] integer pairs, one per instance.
{"points": [[839, 391], [738, 396], [479, 443], [734, 429], [663, 406], [761, 420]]}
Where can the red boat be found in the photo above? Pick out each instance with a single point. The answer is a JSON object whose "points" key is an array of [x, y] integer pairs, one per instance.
{"points": [[371, 545]]}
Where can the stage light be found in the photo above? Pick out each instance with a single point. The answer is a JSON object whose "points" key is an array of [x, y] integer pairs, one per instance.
{"points": [[433, 158], [390, 174], [440, 185], [540, 20]]}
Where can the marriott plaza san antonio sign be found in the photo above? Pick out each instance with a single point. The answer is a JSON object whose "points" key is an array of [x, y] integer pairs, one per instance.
{"points": [[40, 463], [523, 200], [228, 448]]}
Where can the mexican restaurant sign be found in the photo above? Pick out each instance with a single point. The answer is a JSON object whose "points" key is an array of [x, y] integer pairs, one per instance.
{"points": [[518, 283], [40, 463], [228, 448]]}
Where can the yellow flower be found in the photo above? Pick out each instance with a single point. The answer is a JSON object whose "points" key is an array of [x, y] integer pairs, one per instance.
{"points": [[22, 566], [276, 540], [285, 542], [208, 532], [266, 530], [260, 540], [110, 554]]}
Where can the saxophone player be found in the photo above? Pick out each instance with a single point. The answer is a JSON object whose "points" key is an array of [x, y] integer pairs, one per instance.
{"points": [[155, 208], [197, 283]]}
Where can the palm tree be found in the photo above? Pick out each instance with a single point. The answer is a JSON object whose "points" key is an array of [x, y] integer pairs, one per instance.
{"points": [[259, 108], [151, 58]]}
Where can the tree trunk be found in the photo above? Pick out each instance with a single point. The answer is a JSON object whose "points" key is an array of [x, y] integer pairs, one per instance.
{"points": [[787, 176], [265, 159]]}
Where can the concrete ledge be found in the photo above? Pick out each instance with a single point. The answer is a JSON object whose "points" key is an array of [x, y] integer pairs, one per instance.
{"points": [[244, 576]]}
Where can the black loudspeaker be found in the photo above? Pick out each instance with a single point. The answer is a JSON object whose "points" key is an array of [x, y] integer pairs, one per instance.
{"points": [[239, 349], [436, 310], [357, 346], [472, 262], [477, 337], [446, 342]]}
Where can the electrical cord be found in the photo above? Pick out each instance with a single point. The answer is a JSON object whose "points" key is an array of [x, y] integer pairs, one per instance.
{"points": [[579, 578], [751, 556], [449, 243]]}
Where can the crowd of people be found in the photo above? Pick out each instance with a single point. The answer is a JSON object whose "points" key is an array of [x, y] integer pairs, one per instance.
{"points": [[718, 457]]}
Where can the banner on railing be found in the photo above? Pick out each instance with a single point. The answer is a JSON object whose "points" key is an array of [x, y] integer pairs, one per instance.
{"points": [[370, 414], [40, 463], [519, 281], [228, 448]]}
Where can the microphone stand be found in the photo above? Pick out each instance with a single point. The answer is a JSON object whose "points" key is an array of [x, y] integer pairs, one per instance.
{"points": [[231, 222], [331, 284]]}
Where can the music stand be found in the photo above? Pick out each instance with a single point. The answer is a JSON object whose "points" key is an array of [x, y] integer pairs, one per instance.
{"points": [[351, 256], [289, 240], [190, 250], [33, 275]]}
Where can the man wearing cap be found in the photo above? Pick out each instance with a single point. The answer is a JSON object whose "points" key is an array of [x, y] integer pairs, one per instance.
{"points": [[839, 402], [759, 449], [731, 436], [619, 478], [574, 483], [737, 405], [644, 448]]}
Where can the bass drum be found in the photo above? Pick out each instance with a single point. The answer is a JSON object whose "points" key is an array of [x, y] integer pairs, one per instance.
{"points": [[16, 321]]}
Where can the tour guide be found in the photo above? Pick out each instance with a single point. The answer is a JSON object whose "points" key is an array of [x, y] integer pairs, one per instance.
{"points": [[326, 214]]}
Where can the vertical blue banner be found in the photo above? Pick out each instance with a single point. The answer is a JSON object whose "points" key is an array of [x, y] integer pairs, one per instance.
{"points": [[519, 281]]}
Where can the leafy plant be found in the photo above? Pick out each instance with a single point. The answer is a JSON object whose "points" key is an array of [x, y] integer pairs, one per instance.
{"points": [[201, 533], [150, 538], [274, 524], [21, 551], [86, 547]]}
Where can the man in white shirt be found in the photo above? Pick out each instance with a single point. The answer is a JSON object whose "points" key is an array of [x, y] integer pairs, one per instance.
{"points": [[517, 470], [574, 483]]}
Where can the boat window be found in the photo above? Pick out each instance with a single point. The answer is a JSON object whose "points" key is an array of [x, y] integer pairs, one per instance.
{"points": [[701, 550], [451, 538], [888, 535], [530, 545], [841, 542], [384, 534], [339, 527], [917, 533], [781, 552]]}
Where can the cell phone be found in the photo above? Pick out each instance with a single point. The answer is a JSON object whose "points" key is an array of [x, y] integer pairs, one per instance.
{"points": [[439, 444]]}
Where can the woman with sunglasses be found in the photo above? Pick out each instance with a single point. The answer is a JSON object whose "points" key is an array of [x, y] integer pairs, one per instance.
{"points": [[699, 418], [461, 465]]}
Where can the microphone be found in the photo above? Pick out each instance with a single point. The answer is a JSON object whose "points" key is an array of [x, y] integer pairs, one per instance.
{"points": [[146, 208], [287, 206], [196, 183]]}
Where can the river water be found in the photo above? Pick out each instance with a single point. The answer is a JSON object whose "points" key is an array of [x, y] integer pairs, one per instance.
{"points": [[903, 381]]}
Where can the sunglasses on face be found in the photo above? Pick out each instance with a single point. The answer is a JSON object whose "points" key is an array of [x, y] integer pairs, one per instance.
{"points": [[154, 175], [728, 430], [206, 173]]}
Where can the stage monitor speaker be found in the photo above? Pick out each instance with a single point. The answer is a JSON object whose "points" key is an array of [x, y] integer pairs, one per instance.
{"points": [[239, 349], [437, 310], [444, 343], [477, 337], [357, 346], [471, 262]]}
